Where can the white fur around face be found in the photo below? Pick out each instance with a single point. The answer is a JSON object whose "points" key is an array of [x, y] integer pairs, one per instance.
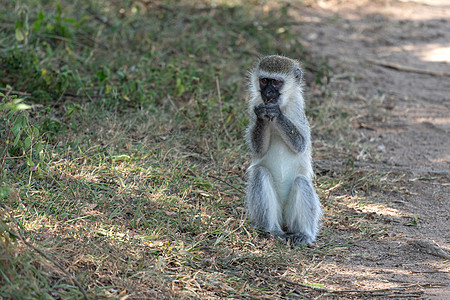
{"points": [[291, 88]]}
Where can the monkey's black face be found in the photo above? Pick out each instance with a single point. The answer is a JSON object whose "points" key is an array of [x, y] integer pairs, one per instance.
{"points": [[270, 89]]}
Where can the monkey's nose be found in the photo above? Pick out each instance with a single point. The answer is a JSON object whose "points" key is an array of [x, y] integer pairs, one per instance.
{"points": [[271, 99], [270, 95]]}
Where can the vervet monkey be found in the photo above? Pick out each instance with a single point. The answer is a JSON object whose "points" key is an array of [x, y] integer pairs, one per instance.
{"points": [[281, 198]]}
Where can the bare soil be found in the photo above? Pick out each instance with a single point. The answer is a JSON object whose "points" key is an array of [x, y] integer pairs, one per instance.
{"points": [[409, 130]]}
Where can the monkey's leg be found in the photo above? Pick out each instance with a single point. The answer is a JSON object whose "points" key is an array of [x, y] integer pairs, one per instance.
{"points": [[302, 212], [263, 205]]}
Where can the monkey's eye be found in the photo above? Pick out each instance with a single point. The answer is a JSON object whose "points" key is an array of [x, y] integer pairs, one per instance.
{"points": [[263, 81], [276, 82]]}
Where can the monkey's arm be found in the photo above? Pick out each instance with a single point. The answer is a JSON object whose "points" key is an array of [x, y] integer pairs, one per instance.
{"points": [[293, 135], [259, 131]]}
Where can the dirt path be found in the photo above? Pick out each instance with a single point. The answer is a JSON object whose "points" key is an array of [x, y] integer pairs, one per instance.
{"points": [[409, 128]]}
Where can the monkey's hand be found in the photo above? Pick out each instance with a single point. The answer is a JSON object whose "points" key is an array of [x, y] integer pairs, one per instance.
{"points": [[260, 111], [272, 111], [267, 111]]}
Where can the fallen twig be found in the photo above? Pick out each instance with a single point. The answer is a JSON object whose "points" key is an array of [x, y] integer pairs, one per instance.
{"points": [[224, 124], [327, 163], [43, 254], [407, 68], [397, 291], [10, 91], [324, 290], [229, 184]]}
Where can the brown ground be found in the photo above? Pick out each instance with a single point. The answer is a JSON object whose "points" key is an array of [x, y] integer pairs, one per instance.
{"points": [[410, 130]]}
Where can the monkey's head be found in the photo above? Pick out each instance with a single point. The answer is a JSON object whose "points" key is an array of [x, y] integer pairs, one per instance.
{"points": [[275, 77]]}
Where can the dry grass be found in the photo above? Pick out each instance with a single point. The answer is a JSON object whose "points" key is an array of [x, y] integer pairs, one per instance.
{"points": [[144, 198]]}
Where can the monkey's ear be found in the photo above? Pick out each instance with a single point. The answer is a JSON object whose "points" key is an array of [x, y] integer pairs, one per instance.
{"points": [[298, 74]]}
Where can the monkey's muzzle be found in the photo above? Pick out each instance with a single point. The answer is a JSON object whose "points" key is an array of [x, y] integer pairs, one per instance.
{"points": [[270, 94]]}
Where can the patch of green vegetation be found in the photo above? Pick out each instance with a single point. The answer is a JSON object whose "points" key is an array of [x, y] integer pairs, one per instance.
{"points": [[122, 149]]}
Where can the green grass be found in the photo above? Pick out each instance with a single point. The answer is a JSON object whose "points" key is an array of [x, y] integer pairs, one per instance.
{"points": [[127, 163]]}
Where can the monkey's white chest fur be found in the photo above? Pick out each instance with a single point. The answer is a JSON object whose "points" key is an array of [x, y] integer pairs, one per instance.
{"points": [[284, 165]]}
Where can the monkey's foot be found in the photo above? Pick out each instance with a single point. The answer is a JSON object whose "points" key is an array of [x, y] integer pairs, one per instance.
{"points": [[299, 239], [278, 235]]}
